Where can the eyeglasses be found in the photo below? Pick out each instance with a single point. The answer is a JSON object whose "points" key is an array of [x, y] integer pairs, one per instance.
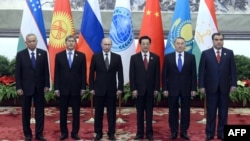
{"points": [[218, 39]]}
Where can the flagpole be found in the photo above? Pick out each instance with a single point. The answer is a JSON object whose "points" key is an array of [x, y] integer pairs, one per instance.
{"points": [[119, 119], [91, 120]]}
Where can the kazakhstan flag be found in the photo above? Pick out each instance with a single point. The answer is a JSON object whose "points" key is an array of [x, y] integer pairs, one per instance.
{"points": [[181, 26]]}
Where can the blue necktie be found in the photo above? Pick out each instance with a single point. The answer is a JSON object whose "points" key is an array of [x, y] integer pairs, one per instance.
{"points": [[33, 59], [69, 59], [179, 63]]}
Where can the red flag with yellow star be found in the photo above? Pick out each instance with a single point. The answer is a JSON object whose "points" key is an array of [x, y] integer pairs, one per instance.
{"points": [[152, 27], [61, 26]]}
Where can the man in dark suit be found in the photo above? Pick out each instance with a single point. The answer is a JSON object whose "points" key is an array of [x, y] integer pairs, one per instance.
{"points": [[32, 81], [217, 78], [70, 85], [105, 70], [144, 77], [179, 81]]}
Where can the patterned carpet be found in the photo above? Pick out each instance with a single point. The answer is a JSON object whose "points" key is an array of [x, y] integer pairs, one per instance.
{"points": [[11, 128]]}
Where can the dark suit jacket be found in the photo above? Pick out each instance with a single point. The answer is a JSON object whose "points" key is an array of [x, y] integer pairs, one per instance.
{"points": [[28, 78], [173, 80], [70, 80], [141, 79], [103, 80], [212, 74]]}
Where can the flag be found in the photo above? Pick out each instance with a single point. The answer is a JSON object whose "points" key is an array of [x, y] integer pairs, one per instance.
{"points": [[152, 27], [61, 26], [181, 26], [32, 22], [121, 34], [91, 32], [206, 25]]}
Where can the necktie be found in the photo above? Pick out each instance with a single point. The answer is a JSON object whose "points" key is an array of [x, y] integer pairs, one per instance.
{"points": [[179, 63], [69, 59], [106, 61], [218, 56], [145, 60], [33, 59]]}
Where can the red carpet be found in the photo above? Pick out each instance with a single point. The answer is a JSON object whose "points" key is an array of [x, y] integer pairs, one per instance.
{"points": [[11, 128]]}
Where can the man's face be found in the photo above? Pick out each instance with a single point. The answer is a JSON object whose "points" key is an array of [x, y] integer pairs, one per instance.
{"points": [[179, 45], [145, 45], [218, 41], [70, 44], [31, 42], [106, 44]]}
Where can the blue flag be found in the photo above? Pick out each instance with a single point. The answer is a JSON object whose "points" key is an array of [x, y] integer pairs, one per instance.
{"points": [[181, 26]]}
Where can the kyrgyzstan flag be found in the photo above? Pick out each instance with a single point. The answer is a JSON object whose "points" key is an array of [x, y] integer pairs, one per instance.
{"points": [[152, 27], [61, 26]]}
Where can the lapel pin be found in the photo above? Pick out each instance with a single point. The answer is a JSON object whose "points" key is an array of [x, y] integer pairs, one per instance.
{"points": [[151, 58], [39, 54], [76, 54], [225, 53]]}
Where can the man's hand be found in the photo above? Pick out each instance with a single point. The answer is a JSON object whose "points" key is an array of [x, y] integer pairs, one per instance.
{"points": [[193, 93], [57, 93], [202, 90], [92, 92], [119, 92], [82, 92], [135, 93], [155, 93], [46, 89], [19, 92], [165, 93], [232, 89]]}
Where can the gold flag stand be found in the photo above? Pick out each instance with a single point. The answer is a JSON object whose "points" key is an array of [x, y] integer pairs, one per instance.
{"points": [[91, 120], [119, 119], [32, 119], [203, 121]]}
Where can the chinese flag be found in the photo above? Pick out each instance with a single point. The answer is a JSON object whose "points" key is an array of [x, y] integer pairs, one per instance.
{"points": [[61, 26], [152, 27]]}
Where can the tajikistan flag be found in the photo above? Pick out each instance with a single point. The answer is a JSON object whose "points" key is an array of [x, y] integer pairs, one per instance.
{"points": [[32, 22], [206, 25]]}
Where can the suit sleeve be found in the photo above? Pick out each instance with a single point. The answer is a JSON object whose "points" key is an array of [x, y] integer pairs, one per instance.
{"points": [[18, 72], [56, 73], [233, 71], [120, 75], [157, 74], [84, 72], [201, 79], [164, 75], [46, 69], [194, 74], [132, 74], [92, 73]]}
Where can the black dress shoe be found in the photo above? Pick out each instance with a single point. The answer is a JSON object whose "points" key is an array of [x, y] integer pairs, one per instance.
{"points": [[63, 137], [112, 137], [28, 138], [185, 136], [208, 138], [137, 137], [150, 137], [75, 137], [40, 138], [98, 137], [220, 137], [173, 136]]}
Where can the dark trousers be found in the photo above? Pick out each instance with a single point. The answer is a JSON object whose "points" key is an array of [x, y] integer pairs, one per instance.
{"points": [[100, 102], [173, 103], [144, 103], [38, 99], [75, 104], [216, 101]]}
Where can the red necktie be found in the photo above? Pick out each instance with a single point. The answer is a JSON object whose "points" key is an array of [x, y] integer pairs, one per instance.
{"points": [[218, 56], [145, 61]]}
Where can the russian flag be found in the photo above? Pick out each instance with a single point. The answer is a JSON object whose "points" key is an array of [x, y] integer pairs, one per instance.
{"points": [[91, 32], [32, 22]]}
